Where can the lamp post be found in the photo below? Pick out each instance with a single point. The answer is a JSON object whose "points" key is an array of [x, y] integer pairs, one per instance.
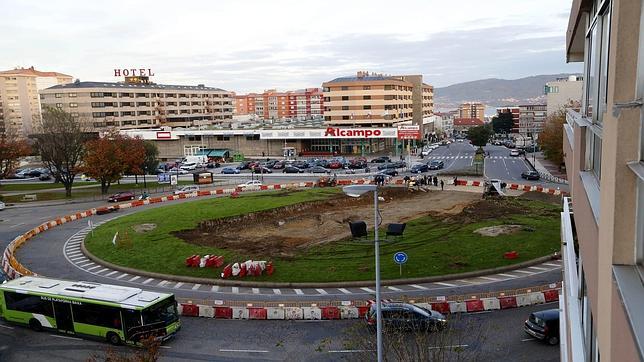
{"points": [[356, 191]]}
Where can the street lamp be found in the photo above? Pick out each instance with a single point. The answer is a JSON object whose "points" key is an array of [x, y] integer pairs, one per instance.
{"points": [[357, 191]]}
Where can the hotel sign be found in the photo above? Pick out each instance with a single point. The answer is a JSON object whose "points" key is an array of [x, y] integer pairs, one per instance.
{"points": [[133, 72]]}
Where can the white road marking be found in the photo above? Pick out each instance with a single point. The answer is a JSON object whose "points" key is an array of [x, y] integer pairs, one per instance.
{"points": [[122, 276], [178, 285], [418, 286], [350, 351], [94, 267], [537, 268], [15, 226], [214, 288], [86, 264], [235, 290], [111, 273], [135, 278], [552, 264], [196, 286], [490, 278], [394, 288], [255, 290], [162, 283], [528, 339], [507, 275], [368, 290], [277, 291], [465, 281], [102, 271], [321, 291], [74, 254], [345, 291], [7, 327], [445, 284], [76, 258], [298, 291], [244, 350], [522, 271], [148, 280]]}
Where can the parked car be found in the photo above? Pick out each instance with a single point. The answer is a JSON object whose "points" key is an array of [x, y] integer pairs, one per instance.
{"points": [[405, 316], [357, 164], [334, 165], [213, 165], [292, 169], [514, 153], [418, 168], [318, 169], [186, 190], [389, 172], [400, 164], [381, 159], [436, 165], [387, 165], [426, 151], [261, 169], [279, 165], [44, 177], [121, 196], [530, 175], [544, 325], [189, 166], [250, 184], [230, 171], [2, 205], [85, 178], [244, 165]]}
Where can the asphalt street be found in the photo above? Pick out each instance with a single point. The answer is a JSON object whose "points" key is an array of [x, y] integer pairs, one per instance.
{"points": [[488, 336]]}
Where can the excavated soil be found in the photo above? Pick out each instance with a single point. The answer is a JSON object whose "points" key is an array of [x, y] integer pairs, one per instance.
{"points": [[283, 232]]}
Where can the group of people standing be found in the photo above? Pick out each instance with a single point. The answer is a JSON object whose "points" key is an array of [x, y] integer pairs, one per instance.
{"points": [[423, 181]]}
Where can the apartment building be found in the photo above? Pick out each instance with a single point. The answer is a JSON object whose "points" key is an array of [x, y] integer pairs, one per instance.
{"points": [[19, 99], [563, 93], [301, 103], [463, 125], [515, 111], [602, 317], [377, 100], [532, 118], [140, 105], [472, 110]]}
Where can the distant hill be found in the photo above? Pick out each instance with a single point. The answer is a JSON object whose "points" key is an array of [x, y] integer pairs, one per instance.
{"points": [[495, 92]]}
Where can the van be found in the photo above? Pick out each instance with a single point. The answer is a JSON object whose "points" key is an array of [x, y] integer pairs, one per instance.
{"points": [[186, 190], [199, 160]]}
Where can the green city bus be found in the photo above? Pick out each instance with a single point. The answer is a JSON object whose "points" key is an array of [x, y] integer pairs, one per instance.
{"points": [[109, 312]]}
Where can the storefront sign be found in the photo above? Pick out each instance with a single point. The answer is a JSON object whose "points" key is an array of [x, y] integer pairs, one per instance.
{"points": [[329, 133], [409, 132]]}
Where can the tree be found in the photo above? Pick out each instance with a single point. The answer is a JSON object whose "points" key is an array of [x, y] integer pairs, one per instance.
{"points": [[479, 135], [502, 123], [150, 161], [551, 139], [61, 145], [11, 149], [134, 156], [109, 157]]}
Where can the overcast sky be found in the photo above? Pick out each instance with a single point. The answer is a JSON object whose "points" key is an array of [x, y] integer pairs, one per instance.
{"points": [[249, 46]]}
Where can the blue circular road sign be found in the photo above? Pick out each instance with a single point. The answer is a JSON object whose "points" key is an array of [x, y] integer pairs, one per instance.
{"points": [[400, 257]]}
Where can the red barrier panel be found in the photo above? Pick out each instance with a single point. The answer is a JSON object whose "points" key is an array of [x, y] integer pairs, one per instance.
{"points": [[155, 200], [527, 188], [270, 269], [137, 203], [474, 305], [309, 184], [256, 313], [551, 295], [343, 182], [507, 302], [513, 186], [362, 311], [227, 272], [539, 189], [441, 307], [551, 191], [223, 312], [219, 191], [277, 187], [190, 310], [461, 182], [263, 187], [476, 183], [330, 313]]}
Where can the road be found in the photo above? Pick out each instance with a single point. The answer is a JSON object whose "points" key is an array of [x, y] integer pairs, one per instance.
{"points": [[500, 337]]}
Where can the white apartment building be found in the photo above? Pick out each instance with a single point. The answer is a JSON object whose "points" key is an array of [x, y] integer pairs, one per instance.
{"points": [[564, 93], [141, 105]]}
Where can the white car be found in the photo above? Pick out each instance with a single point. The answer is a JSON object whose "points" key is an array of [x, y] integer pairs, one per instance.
{"points": [[189, 166], [2, 205], [250, 184], [427, 151], [186, 190], [514, 153]]}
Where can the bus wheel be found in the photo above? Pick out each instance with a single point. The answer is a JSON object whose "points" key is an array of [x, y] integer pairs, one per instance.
{"points": [[113, 338], [35, 325]]}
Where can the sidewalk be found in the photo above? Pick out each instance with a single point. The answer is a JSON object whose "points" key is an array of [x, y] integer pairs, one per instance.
{"points": [[546, 167]]}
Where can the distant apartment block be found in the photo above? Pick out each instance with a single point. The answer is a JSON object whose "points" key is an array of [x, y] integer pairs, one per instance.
{"points": [[463, 125], [106, 105], [377, 100], [472, 110], [444, 123], [563, 93], [515, 116], [19, 99], [302, 103], [532, 118]]}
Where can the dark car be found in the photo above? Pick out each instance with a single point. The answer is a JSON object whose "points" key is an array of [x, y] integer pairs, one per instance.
{"points": [[213, 165], [530, 175], [404, 316], [544, 325], [389, 172], [261, 169], [381, 159], [229, 171], [279, 165], [419, 168], [387, 165], [292, 169], [400, 164], [318, 169], [244, 165], [121, 196], [357, 164], [436, 165], [270, 163], [300, 164], [44, 177]]}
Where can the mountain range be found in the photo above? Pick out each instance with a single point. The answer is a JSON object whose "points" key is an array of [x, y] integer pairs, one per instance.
{"points": [[494, 92]]}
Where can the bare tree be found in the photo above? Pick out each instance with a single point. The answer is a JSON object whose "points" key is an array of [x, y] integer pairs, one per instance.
{"points": [[11, 149], [61, 145]]}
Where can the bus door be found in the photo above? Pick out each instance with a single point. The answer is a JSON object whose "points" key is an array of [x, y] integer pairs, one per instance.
{"points": [[131, 323], [64, 320]]}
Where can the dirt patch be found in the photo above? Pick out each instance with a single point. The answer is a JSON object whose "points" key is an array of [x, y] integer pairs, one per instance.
{"points": [[540, 196], [144, 228], [499, 230], [283, 232]]}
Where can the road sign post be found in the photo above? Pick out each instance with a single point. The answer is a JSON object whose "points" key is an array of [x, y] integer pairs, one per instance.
{"points": [[400, 258]]}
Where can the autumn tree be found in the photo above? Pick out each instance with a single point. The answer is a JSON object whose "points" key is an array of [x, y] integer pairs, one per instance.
{"points": [[150, 161], [134, 156], [551, 139], [61, 145], [108, 158], [11, 149]]}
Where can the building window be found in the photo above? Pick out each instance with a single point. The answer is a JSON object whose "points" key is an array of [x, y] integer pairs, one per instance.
{"points": [[366, 87], [345, 117], [194, 138], [345, 98], [96, 94], [389, 87], [73, 105], [345, 108], [366, 97], [59, 105], [344, 87], [71, 95], [59, 95]]}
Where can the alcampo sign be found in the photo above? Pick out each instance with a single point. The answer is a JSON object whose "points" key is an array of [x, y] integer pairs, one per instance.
{"points": [[352, 132]]}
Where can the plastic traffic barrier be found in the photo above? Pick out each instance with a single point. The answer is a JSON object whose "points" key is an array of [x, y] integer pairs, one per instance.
{"points": [[330, 312], [223, 312], [293, 313], [441, 307], [256, 313], [240, 313], [189, 310], [312, 313], [474, 305], [227, 272], [349, 312], [511, 255], [193, 260], [490, 303], [537, 298], [551, 295], [275, 313], [206, 311], [458, 307], [507, 302], [362, 311]]}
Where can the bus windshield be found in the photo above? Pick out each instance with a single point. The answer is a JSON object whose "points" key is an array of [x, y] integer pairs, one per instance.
{"points": [[164, 312]]}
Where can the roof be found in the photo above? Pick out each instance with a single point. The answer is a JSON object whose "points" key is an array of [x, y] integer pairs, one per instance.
{"points": [[366, 78], [213, 152], [81, 85], [33, 72], [126, 297], [467, 122]]}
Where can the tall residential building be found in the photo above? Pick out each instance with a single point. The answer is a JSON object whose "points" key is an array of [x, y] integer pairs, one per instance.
{"points": [[377, 100], [301, 103], [19, 100], [141, 105], [472, 110], [515, 116], [563, 93], [532, 118], [602, 313]]}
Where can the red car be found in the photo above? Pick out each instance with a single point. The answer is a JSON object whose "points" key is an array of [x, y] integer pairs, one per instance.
{"points": [[335, 165], [121, 196]]}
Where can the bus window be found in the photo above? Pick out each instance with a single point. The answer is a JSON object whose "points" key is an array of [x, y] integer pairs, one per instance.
{"points": [[28, 303], [164, 312], [131, 320], [98, 315]]}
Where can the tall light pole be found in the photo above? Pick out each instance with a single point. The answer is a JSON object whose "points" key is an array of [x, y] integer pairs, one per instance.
{"points": [[356, 191]]}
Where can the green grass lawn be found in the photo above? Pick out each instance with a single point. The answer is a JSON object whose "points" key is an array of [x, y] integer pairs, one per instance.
{"points": [[434, 247], [4, 187]]}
